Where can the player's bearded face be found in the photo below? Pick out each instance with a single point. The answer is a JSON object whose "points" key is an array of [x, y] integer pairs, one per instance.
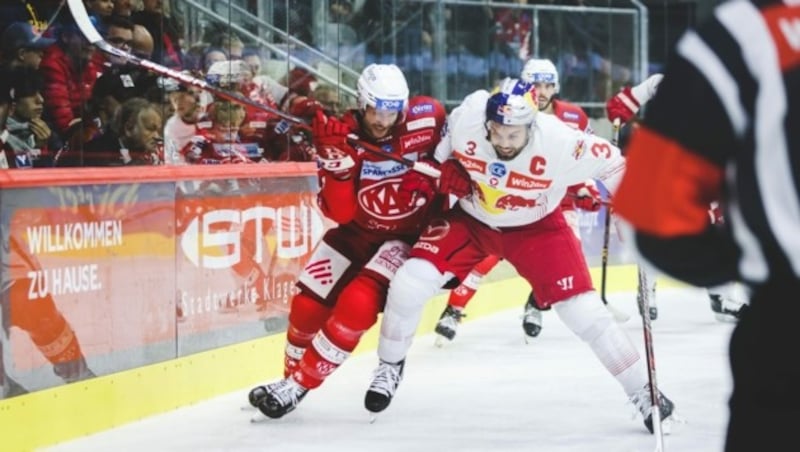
{"points": [[507, 141], [545, 92], [378, 123]]}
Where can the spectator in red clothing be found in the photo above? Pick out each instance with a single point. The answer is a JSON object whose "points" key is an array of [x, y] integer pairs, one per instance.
{"points": [[69, 75]]}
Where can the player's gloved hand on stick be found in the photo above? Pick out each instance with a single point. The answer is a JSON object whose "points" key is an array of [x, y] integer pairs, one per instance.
{"points": [[588, 197], [328, 127], [336, 156], [627, 102], [454, 179], [416, 189]]}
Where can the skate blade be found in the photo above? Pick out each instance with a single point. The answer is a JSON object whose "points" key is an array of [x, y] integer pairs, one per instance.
{"points": [[725, 318], [440, 341], [372, 417], [672, 424], [258, 418]]}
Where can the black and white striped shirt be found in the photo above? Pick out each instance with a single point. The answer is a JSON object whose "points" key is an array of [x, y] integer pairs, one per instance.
{"points": [[724, 125]]}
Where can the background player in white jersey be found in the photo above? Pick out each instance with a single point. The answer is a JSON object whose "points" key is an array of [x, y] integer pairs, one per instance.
{"points": [[543, 75], [521, 165], [728, 300]]}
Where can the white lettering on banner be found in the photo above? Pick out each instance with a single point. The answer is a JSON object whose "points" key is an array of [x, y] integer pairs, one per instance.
{"points": [[63, 280], [302, 230], [74, 236], [420, 123]]}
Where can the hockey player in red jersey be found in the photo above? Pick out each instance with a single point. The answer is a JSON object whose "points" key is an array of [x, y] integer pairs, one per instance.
{"points": [[543, 75], [380, 206]]}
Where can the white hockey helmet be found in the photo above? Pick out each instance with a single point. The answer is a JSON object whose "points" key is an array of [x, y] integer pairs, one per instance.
{"points": [[540, 71], [512, 103], [383, 87], [229, 73]]}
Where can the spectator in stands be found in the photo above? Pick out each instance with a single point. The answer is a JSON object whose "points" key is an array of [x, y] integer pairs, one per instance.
{"points": [[134, 137], [182, 125], [123, 8], [30, 137], [252, 57], [232, 45], [328, 97], [69, 75], [118, 33], [21, 46], [299, 81], [213, 55], [512, 37], [143, 44], [165, 31], [99, 8], [218, 141]]}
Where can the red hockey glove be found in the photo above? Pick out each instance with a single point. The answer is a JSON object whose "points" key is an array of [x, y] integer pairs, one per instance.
{"points": [[416, 189], [336, 156], [588, 197], [303, 107], [623, 106], [326, 127], [455, 179]]}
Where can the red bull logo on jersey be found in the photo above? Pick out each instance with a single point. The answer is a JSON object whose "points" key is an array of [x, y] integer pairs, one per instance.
{"points": [[514, 202], [471, 164], [522, 182]]}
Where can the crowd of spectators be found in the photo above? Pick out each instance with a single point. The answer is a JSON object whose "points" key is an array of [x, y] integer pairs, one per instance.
{"points": [[65, 103], [70, 104]]}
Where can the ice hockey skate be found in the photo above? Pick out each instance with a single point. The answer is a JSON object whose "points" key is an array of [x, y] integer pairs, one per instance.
{"points": [[726, 309], [531, 319], [447, 325], [641, 400], [385, 380], [277, 399]]}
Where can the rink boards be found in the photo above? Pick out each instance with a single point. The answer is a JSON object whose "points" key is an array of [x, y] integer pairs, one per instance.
{"points": [[54, 415]]}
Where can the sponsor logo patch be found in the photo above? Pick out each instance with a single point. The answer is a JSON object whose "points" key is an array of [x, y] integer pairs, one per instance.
{"points": [[421, 108], [420, 123], [471, 164], [522, 182], [415, 140]]}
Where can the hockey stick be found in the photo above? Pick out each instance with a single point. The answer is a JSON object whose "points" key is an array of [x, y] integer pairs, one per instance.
{"points": [[87, 29], [644, 306], [619, 316]]}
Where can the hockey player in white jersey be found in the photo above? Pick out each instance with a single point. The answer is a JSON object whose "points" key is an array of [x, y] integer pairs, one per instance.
{"points": [[520, 165]]}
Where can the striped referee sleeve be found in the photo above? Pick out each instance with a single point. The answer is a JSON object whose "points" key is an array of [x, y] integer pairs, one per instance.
{"points": [[724, 125]]}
